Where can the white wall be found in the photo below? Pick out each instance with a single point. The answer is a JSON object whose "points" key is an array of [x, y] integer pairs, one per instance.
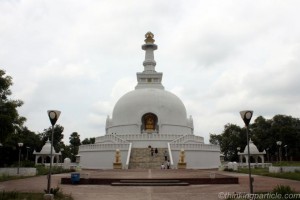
{"points": [[102, 159], [275, 169], [198, 159], [136, 129], [28, 171], [125, 129], [167, 128]]}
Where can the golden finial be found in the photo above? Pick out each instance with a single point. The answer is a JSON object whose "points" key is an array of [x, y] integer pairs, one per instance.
{"points": [[149, 37]]}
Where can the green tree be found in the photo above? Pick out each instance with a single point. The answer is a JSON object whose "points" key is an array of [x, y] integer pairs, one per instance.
{"points": [[286, 129], [88, 140], [30, 140], [232, 137], [264, 134], [10, 121], [65, 151], [57, 136], [9, 117], [74, 140]]}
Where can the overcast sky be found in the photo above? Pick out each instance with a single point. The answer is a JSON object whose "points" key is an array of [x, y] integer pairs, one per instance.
{"points": [[219, 57]]}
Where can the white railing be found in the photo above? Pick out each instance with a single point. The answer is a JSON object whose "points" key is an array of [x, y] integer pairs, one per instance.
{"points": [[172, 138], [97, 147], [128, 156], [141, 137], [204, 147], [185, 138], [111, 137], [170, 154]]}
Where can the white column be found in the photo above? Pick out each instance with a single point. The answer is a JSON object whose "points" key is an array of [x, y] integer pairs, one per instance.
{"points": [[36, 159], [262, 159], [247, 159], [52, 159]]}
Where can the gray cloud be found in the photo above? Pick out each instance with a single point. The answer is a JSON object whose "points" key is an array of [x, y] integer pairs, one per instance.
{"points": [[218, 56]]}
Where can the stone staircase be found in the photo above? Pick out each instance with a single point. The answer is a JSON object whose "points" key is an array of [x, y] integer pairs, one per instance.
{"points": [[140, 158]]}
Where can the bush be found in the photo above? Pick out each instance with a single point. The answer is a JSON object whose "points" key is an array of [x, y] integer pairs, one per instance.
{"points": [[27, 163], [31, 196], [58, 194], [42, 170], [7, 177], [284, 190], [53, 191], [8, 195], [17, 195], [228, 170], [4, 177]]}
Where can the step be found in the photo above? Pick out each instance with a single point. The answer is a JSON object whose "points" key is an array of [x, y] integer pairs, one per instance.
{"points": [[150, 184], [150, 181], [141, 158]]}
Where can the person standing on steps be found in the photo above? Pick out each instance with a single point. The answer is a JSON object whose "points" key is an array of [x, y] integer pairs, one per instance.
{"points": [[152, 151], [156, 151], [168, 164], [166, 155]]}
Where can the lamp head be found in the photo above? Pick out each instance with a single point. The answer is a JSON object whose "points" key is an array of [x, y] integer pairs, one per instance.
{"points": [[53, 116], [246, 115]]}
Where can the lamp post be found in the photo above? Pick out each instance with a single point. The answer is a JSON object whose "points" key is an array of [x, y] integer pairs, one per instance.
{"points": [[27, 149], [246, 116], [286, 154], [267, 150], [20, 144], [53, 116], [279, 150], [1, 145], [238, 150], [62, 159]]}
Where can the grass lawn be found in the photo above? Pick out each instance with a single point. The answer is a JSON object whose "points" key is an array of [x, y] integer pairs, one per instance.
{"points": [[32, 196], [287, 163], [41, 170], [265, 172], [5, 177]]}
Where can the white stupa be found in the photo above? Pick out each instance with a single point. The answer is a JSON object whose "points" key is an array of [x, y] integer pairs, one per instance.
{"points": [[254, 153], [46, 152], [146, 117]]}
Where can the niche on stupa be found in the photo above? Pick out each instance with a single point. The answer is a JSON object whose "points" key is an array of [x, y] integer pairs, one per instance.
{"points": [[149, 123]]}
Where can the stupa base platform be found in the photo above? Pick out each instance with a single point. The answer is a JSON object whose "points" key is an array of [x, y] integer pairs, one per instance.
{"points": [[151, 177]]}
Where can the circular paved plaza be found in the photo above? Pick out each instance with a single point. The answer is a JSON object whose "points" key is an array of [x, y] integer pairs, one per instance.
{"points": [[107, 192]]}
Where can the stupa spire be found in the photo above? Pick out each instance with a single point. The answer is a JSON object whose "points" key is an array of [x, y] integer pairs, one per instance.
{"points": [[149, 47], [149, 78]]}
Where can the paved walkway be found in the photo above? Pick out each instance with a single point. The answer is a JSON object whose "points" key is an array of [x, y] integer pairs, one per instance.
{"points": [[106, 192]]}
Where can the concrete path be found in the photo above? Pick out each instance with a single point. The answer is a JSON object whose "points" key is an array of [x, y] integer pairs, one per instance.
{"points": [[106, 192]]}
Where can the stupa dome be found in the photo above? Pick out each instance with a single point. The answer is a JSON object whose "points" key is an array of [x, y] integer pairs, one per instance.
{"points": [[47, 148], [252, 147], [168, 108]]}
